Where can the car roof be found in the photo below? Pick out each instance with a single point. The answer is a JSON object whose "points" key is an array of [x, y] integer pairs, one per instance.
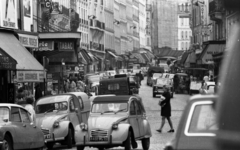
{"points": [[200, 96], [111, 98], [11, 105], [46, 99]]}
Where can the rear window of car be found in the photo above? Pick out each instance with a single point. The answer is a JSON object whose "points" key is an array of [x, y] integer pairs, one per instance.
{"points": [[113, 87], [109, 107], [202, 119], [4, 113]]}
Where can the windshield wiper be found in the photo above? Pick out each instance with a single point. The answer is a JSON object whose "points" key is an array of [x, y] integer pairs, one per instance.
{"points": [[48, 110], [120, 110], [108, 111]]}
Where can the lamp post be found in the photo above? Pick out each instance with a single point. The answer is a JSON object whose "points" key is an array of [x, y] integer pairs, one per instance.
{"points": [[63, 64]]}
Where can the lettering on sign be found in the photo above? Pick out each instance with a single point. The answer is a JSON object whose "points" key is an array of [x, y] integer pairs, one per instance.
{"points": [[6, 63], [28, 40], [30, 76], [66, 46], [46, 46], [9, 24]]}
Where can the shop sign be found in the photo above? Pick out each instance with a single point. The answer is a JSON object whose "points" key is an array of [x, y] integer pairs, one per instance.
{"points": [[46, 46], [7, 63], [66, 46], [8, 12], [30, 76], [28, 40]]}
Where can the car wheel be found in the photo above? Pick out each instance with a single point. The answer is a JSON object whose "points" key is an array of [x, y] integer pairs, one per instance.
{"points": [[41, 148], [49, 145], [127, 143], [146, 143], [7, 143], [101, 148], [69, 138], [80, 147]]}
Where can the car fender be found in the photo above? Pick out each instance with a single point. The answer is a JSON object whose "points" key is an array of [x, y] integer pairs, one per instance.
{"points": [[147, 129], [79, 135], [121, 133], [62, 130]]}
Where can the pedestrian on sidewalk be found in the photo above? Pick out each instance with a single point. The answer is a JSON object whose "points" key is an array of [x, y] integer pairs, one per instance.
{"points": [[30, 108], [165, 109]]}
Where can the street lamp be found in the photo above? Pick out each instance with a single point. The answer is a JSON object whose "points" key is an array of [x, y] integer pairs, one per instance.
{"points": [[91, 17], [63, 64], [116, 22], [133, 27]]}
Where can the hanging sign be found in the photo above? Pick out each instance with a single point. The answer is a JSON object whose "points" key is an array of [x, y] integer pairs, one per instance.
{"points": [[30, 76]]}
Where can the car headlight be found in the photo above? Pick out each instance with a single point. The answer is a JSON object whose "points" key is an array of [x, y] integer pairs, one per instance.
{"points": [[83, 126], [56, 123], [115, 126]]}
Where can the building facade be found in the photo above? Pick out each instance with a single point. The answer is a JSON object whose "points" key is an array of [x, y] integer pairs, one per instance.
{"points": [[164, 24], [135, 26], [96, 16], [184, 30], [130, 26], [148, 24], [142, 23], [82, 10], [123, 25]]}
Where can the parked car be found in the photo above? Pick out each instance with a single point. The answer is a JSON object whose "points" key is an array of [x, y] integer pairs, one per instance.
{"points": [[210, 88], [58, 115], [114, 121], [17, 130], [158, 87], [155, 77], [151, 71], [197, 126], [119, 85]]}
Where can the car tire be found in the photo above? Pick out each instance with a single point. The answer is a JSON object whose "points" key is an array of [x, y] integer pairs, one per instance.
{"points": [[80, 147], [127, 143], [146, 143], [7, 143], [49, 145], [101, 148], [69, 138]]}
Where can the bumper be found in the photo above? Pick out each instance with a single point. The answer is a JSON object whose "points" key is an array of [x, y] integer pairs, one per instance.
{"points": [[157, 91], [54, 139], [109, 143]]}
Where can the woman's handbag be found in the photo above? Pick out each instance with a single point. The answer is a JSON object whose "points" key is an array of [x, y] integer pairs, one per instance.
{"points": [[161, 103]]}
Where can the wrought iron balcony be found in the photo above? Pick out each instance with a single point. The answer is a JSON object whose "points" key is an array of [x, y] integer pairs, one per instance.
{"points": [[215, 10]]}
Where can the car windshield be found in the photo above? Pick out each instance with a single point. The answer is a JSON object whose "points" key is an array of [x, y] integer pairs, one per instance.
{"points": [[109, 107], [50, 107], [203, 120], [157, 75], [164, 81], [4, 114]]}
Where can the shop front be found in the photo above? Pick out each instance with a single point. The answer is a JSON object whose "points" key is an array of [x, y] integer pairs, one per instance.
{"points": [[58, 52], [28, 70]]}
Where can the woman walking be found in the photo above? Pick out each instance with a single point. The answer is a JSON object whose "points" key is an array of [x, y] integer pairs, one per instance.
{"points": [[166, 109]]}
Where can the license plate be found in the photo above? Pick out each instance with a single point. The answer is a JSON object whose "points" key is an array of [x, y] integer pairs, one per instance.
{"points": [[47, 136], [98, 138]]}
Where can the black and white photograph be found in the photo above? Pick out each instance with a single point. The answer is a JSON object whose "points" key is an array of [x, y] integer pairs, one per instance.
{"points": [[119, 74]]}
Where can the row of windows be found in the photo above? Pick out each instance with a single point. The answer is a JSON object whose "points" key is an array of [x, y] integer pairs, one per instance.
{"points": [[186, 34], [184, 21], [185, 45], [184, 7]]}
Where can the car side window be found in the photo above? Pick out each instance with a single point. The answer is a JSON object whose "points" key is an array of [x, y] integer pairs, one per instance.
{"points": [[203, 119], [25, 116], [15, 115], [72, 107], [138, 109], [81, 102], [132, 108]]}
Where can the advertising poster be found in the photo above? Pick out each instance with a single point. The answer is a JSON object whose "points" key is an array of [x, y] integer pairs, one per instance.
{"points": [[27, 14], [8, 11]]}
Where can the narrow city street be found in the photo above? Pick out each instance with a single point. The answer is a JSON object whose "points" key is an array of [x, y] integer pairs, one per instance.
{"points": [[158, 140]]}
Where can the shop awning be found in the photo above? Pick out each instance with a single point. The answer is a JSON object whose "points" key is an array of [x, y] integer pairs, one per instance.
{"points": [[144, 55], [6, 61], [60, 35], [86, 56], [112, 54], [66, 57], [206, 56], [26, 62], [191, 58]]}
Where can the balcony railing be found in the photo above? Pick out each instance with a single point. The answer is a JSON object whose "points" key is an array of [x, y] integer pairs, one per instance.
{"points": [[135, 33], [215, 10], [97, 24], [136, 3]]}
